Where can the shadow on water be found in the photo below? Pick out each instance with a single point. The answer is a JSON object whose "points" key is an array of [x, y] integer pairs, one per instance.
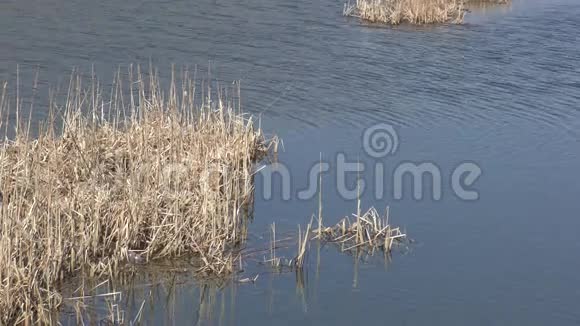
{"points": [[148, 294], [171, 292]]}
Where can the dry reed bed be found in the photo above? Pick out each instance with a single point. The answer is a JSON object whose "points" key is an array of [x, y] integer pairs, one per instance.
{"points": [[395, 12], [156, 174]]}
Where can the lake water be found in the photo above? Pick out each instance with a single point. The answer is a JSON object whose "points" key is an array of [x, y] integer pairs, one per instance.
{"points": [[501, 91]]}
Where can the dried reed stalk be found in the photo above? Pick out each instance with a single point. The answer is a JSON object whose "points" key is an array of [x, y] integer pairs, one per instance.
{"points": [[302, 245]]}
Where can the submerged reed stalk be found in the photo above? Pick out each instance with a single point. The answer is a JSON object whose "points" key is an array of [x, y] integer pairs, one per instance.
{"points": [[274, 261], [142, 171], [302, 245], [395, 12]]}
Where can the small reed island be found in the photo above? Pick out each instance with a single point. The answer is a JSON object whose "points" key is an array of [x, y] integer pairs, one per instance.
{"points": [[395, 12]]}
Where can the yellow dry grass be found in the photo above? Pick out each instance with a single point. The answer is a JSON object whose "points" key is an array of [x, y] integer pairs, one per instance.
{"points": [[396, 12], [368, 231], [142, 170]]}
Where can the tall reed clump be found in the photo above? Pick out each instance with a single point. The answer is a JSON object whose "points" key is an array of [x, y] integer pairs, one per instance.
{"points": [[147, 170], [395, 12]]}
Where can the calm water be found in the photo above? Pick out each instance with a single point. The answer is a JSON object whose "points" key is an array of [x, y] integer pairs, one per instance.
{"points": [[502, 91]]}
